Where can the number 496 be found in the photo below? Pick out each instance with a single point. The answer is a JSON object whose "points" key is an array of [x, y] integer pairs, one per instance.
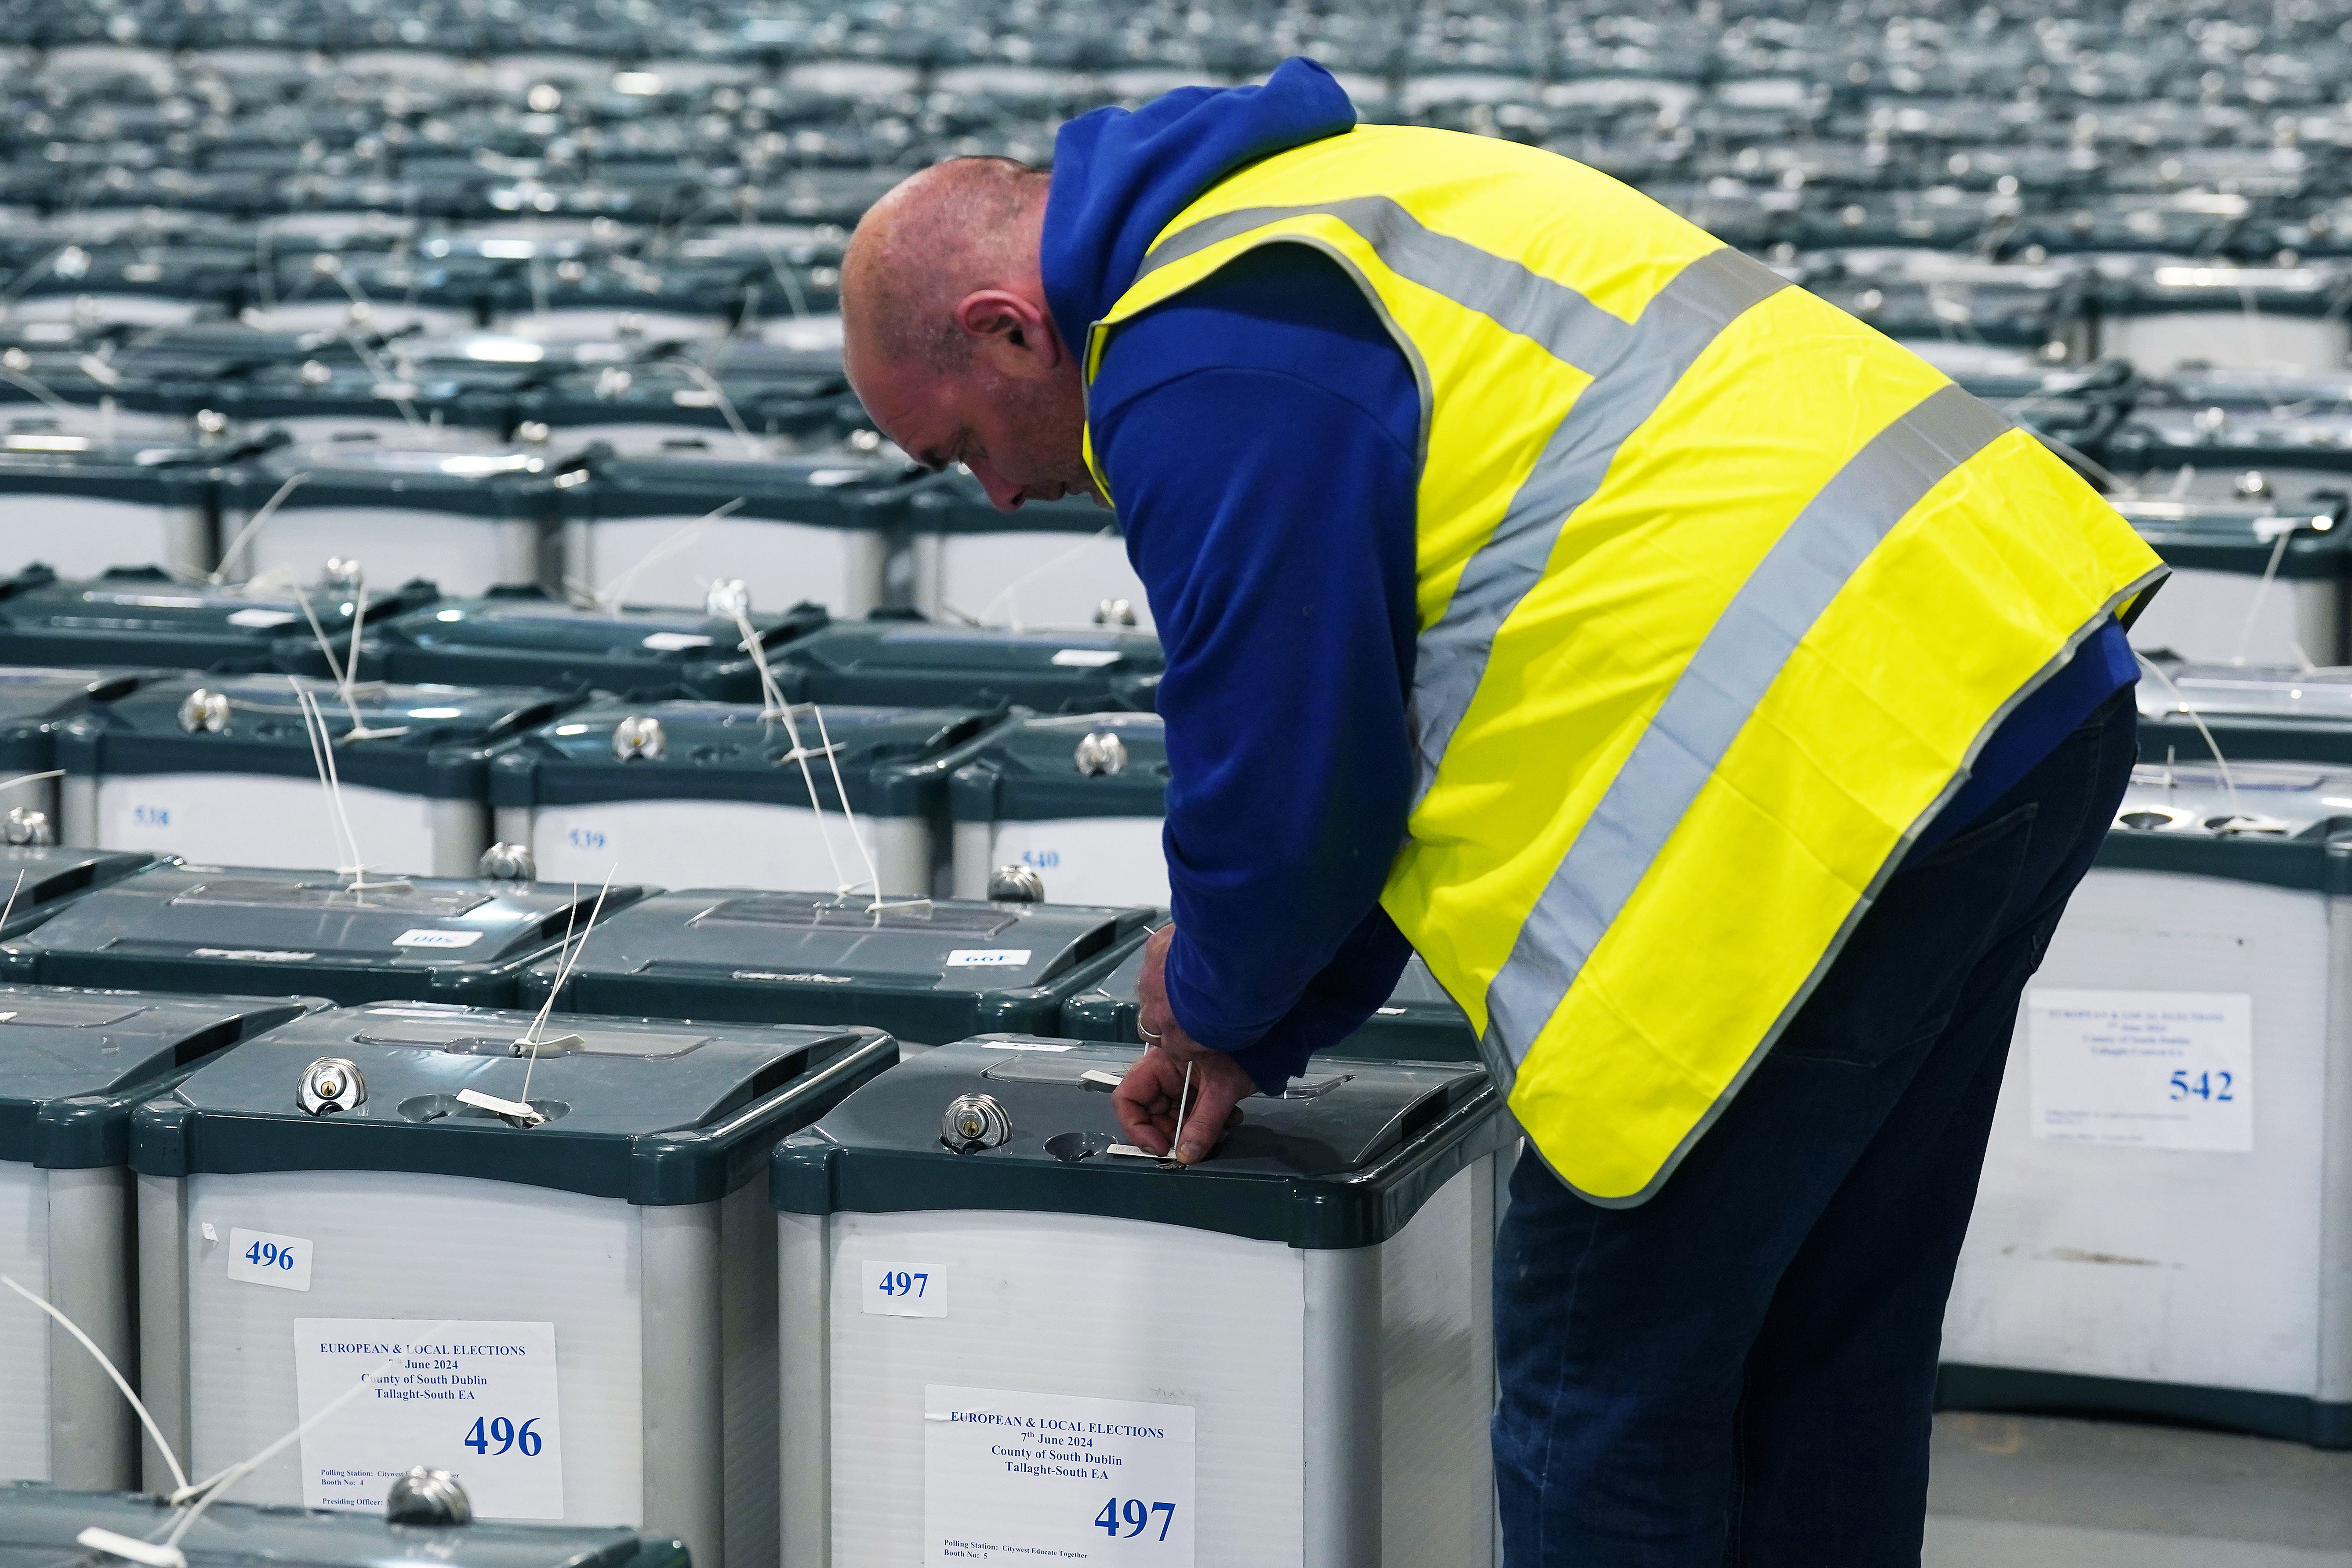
{"points": [[501, 1431], [1136, 1516]]}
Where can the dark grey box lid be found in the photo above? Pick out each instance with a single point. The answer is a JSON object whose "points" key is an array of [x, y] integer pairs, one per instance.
{"points": [[927, 970], [73, 1062], [41, 878], [649, 1110], [141, 614], [1345, 1159], [890, 660], [39, 1524], [308, 931], [2242, 535]]}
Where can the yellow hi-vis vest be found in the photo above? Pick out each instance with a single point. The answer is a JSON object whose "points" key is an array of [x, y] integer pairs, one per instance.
{"points": [[1720, 592]]}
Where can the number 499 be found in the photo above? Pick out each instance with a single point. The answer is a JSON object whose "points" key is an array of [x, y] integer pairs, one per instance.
{"points": [[1135, 1515]]}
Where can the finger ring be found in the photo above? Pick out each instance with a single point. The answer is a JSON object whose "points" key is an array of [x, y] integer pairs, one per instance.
{"points": [[1147, 1035]]}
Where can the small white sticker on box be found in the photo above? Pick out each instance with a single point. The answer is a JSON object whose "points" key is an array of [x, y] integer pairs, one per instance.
{"points": [[1086, 658], [988, 957], [260, 1257], [262, 620], [674, 642], [425, 936], [902, 1289]]}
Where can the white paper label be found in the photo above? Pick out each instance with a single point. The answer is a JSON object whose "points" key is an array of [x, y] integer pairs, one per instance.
{"points": [[1086, 658], [258, 1257], [988, 957], [262, 620], [2153, 1070], [1013, 1477], [674, 642], [903, 1290], [1025, 1044], [475, 1399], [425, 936]]}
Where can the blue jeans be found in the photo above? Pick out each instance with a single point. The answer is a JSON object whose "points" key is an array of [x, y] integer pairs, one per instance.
{"points": [[1742, 1370]]}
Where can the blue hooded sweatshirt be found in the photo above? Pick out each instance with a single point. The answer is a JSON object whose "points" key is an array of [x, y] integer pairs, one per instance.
{"points": [[1259, 432]]}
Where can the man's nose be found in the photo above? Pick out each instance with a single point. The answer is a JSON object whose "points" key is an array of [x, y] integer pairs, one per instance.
{"points": [[1003, 493]]}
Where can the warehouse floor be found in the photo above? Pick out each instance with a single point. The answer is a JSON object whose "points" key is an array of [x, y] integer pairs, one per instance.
{"points": [[2011, 1489]]}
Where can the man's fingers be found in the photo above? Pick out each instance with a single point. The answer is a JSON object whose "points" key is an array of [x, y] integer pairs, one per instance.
{"points": [[1217, 1093], [1145, 1102]]}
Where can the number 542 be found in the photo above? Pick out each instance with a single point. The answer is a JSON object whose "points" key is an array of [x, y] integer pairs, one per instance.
{"points": [[1135, 1515], [2215, 1085]]}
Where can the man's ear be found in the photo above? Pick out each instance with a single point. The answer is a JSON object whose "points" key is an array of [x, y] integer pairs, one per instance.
{"points": [[1011, 334]]}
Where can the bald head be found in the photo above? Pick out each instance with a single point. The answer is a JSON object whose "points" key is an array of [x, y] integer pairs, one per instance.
{"points": [[957, 228], [948, 338]]}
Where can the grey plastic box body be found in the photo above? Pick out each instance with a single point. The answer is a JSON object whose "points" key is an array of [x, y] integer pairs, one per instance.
{"points": [[1316, 1294], [73, 1064], [1077, 798], [631, 1221]]}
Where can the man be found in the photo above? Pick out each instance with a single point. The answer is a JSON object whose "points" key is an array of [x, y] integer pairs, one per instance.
{"points": [[1722, 703]]}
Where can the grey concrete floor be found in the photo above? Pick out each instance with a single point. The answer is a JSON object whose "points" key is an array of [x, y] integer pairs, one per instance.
{"points": [[2016, 1491]]}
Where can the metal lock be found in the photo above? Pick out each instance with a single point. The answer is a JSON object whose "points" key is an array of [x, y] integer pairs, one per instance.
{"points": [[2210, 423], [15, 359], [1101, 752], [2252, 485], [613, 382], [211, 422], [534, 433], [629, 324], [342, 575], [728, 598], [1114, 612], [427, 1497], [205, 711], [638, 736], [1015, 885], [314, 373], [73, 262], [973, 1123], [571, 270], [508, 863], [23, 825], [330, 1084]]}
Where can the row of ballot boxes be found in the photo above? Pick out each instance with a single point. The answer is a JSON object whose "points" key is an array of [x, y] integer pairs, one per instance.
{"points": [[848, 530], [791, 792], [761, 1286]]}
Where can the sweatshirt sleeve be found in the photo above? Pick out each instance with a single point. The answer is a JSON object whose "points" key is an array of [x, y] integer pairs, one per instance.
{"points": [[1268, 501]]}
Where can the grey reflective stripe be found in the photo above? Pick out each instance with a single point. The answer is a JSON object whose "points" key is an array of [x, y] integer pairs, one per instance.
{"points": [[1564, 321], [1680, 320], [1735, 664]]}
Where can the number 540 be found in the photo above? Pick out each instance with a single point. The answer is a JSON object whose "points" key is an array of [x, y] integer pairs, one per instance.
{"points": [[1136, 1515]]}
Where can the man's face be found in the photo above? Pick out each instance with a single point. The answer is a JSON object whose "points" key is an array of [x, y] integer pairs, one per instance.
{"points": [[1019, 433]]}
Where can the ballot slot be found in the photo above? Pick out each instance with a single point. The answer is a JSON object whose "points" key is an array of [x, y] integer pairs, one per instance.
{"points": [[209, 927], [587, 1201], [2167, 1079], [73, 1064], [929, 970], [961, 1233], [36, 880], [221, 769], [699, 793]]}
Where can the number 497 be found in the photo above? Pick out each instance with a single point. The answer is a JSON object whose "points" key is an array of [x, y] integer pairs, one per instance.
{"points": [[1135, 1515]]}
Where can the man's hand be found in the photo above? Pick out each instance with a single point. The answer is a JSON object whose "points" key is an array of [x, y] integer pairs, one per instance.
{"points": [[1146, 1100]]}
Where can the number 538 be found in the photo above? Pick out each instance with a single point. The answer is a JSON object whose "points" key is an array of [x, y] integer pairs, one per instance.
{"points": [[1135, 1515]]}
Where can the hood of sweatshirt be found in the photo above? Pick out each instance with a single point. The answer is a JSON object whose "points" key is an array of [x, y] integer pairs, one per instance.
{"points": [[1120, 175]]}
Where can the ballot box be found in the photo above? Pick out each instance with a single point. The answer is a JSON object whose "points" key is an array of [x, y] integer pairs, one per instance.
{"points": [[689, 794], [1078, 799], [73, 1064], [593, 1263], [2163, 1222], [998, 1326]]}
